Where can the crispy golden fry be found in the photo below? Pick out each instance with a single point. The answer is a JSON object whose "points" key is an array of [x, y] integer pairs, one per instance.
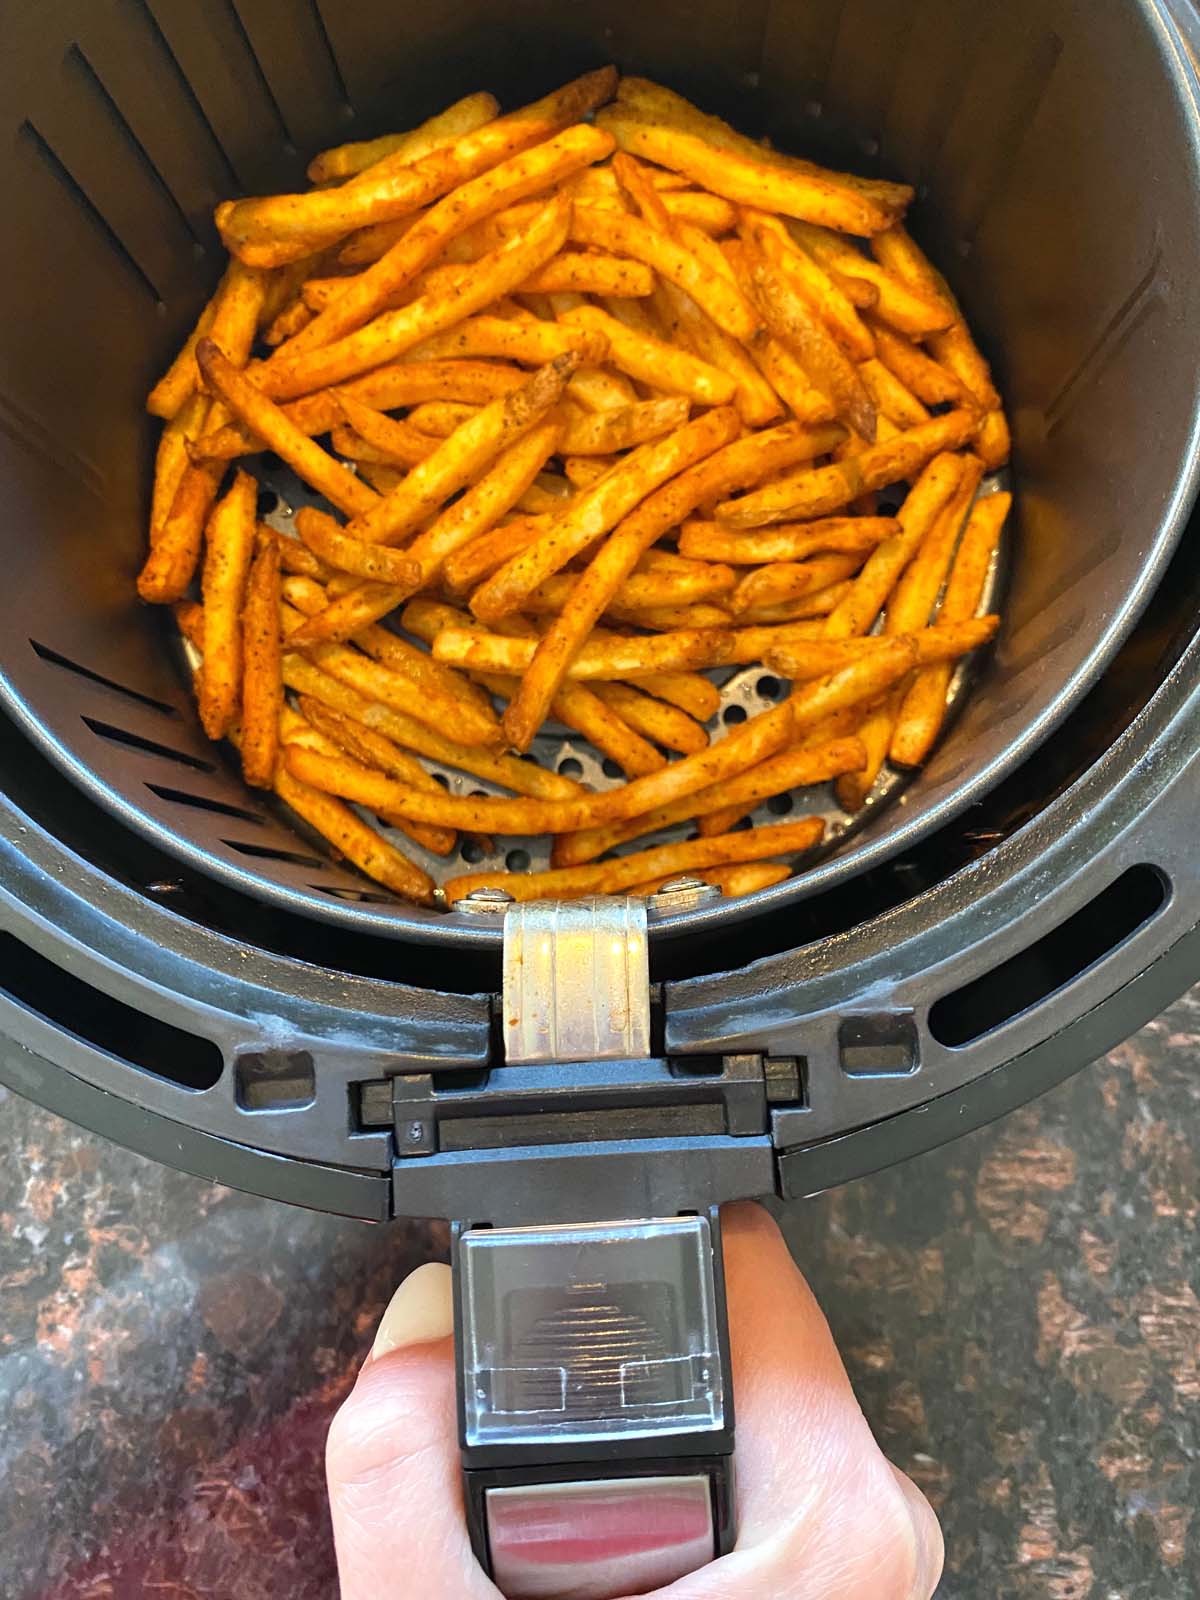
{"points": [[687, 690], [598, 509], [440, 418], [790, 541], [384, 480], [351, 837], [757, 402], [236, 311], [654, 102], [790, 769], [890, 397], [611, 877], [377, 562], [918, 372], [263, 418], [655, 362], [288, 322], [897, 302], [374, 437], [781, 581], [915, 596], [793, 322], [630, 236], [228, 552], [490, 551], [598, 389], [171, 459], [665, 724], [599, 185], [178, 382], [747, 181], [457, 120], [268, 232], [919, 718], [641, 591], [816, 493], [834, 730], [796, 658], [466, 452], [531, 343], [373, 750], [295, 558], [790, 382], [390, 334], [523, 175], [744, 746], [262, 682], [601, 432], [581, 709], [810, 280], [384, 645], [994, 441], [917, 516], [547, 493], [171, 564], [808, 609], [584, 471]]}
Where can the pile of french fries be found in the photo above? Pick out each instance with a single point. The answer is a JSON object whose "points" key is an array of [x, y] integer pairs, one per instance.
{"points": [[609, 392]]}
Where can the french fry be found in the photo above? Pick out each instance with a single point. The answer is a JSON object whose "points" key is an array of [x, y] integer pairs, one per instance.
{"points": [[531, 343], [440, 418], [915, 596], [348, 160], [384, 480], [665, 724], [746, 181], [485, 554], [890, 397], [173, 558], [642, 591], [655, 362], [268, 232], [584, 471], [288, 322], [522, 175], [468, 450], [597, 389], [790, 769], [582, 709], [373, 750], [390, 334], [598, 509], [267, 422], [757, 402], [236, 310], [602, 432], [172, 458], [377, 562], [781, 581], [228, 552], [816, 493], [630, 236], [178, 382], [295, 558], [398, 443], [787, 541], [806, 611], [923, 376], [823, 295], [611, 877], [262, 682], [897, 302], [917, 516], [351, 837], [687, 690], [994, 442], [737, 878], [796, 658], [920, 716]]}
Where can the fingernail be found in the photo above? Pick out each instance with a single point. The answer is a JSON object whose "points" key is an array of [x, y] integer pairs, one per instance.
{"points": [[928, 1533], [420, 1310]]}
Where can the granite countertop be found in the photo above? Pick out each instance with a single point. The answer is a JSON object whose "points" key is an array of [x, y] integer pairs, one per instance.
{"points": [[1019, 1313]]}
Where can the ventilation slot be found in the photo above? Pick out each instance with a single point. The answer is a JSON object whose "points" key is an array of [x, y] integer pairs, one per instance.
{"points": [[45, 652], [150, 747], [95, 1018], [95, 216], [361, 896], [275, 1080], [185, 88], [881, 1045], [264, 852], [200, 802], [1057, 959]]}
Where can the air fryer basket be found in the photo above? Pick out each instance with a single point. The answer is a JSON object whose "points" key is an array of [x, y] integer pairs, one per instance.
{"points": [[1070, 241]]}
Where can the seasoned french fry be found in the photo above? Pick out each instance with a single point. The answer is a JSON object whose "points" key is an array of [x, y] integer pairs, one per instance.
{"points": [[630, 236], [584, 471], [172, 458], [918, 372], [687, 690], [787, 541], [582, 709], [994, 441], [390, 334], [890, 397], [602, 432], [396, 443], [824, 296], [522, 175], [598, 509], [268, 232], [807, 610], [757, 402], [264, 419], [472, 447], [655, 362], [795, 658], [171, 564], [531, 343], [262, 682], [641, 591], [351, 837], [656, 719], [919, 718], [288, 322], [227, 556], [749, 182], [818, 492], [790, 769], [377, 562], [781, 581], [898, 303], [611, 877], [440, 418], [178, 382], [348, 160], [485, 554]]}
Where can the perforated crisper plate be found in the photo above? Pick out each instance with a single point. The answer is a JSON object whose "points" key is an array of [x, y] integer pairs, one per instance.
{"points": [[744, 692]]}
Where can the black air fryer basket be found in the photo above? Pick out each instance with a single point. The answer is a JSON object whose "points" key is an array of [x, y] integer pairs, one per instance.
{"points": [[183, 972]]}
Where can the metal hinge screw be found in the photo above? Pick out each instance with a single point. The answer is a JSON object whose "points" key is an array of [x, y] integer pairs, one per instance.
{"points": [[682, 894], [485, 901]]}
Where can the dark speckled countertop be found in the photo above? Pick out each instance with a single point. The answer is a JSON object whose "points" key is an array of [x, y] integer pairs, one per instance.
{"points": [[1019, 1313]]}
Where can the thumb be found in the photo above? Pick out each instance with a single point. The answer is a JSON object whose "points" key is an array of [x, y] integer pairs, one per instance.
{"points": [[392, 1459]]}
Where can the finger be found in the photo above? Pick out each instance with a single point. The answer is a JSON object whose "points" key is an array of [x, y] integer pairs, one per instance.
{"points": [[822, 1513], [392, 1460]]}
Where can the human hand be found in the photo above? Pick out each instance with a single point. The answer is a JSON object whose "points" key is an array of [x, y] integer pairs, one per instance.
{"points": [[822, 1515]]}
